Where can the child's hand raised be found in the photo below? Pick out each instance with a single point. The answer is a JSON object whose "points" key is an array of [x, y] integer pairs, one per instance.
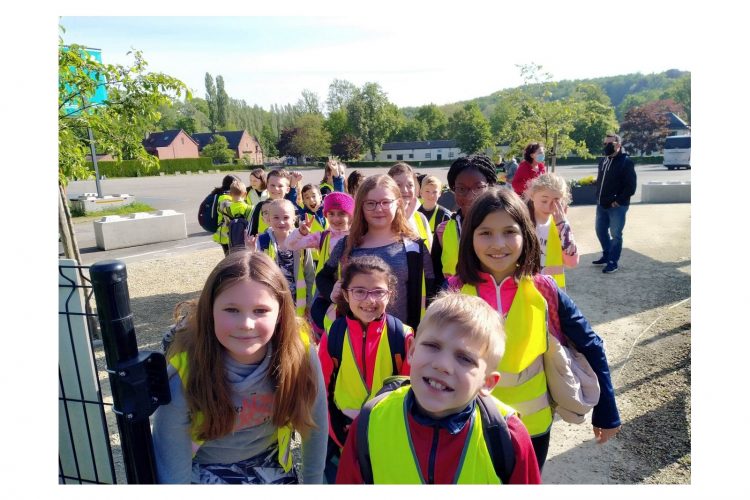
{"points": [[305, 226], [296, 178], [250, 241], [558, 211], [336, 292]]}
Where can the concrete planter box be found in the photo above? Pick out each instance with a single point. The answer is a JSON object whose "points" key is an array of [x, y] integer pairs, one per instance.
{"points": [[139, 229], [88, 202], [584, 195], [665, 192]]}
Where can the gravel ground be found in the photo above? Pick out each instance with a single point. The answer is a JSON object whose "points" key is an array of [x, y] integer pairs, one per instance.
{"points": [[646, 325]]}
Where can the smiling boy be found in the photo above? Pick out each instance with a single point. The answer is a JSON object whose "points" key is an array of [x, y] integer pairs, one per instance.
{"points": [[432, 431]]}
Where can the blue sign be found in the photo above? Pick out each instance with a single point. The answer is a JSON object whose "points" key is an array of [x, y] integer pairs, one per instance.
{"points": [[101, 90]]}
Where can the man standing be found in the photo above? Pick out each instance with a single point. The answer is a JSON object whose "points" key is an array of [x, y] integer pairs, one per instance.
{"points": [[615, 184]]}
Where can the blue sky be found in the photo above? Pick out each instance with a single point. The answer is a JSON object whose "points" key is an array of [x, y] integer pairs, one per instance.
{"points": [[416, 59]]}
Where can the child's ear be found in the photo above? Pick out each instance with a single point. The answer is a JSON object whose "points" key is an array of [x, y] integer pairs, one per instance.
{"points": [[490, 381], [410, 345]]}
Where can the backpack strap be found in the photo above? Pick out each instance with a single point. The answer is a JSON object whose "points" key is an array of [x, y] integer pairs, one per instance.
{"points": [[363, 423], [497, 438], [395, 329], [336, 339], [264, 241]]}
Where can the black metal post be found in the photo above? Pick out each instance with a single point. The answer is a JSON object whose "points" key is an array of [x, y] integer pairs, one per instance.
{"points": [[129, 381]]}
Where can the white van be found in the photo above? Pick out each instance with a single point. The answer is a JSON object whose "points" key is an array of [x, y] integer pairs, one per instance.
{"points": [[677, 152]]}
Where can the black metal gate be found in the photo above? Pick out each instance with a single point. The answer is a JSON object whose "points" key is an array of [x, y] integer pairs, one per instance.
{"points": [[137, 380]]}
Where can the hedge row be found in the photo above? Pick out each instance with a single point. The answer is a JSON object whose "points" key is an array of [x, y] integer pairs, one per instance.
{"points": [[389, 163], [638, 160], [134, 168]]}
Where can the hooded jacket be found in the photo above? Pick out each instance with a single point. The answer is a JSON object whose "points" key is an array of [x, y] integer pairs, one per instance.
{"points": [[615, 180]]}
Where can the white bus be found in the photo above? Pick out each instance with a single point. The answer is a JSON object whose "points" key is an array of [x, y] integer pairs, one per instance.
{"points": [[677, 152]]}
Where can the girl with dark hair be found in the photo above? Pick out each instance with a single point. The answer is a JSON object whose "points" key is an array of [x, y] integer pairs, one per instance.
{"points": [[361, 349], [499, 262], [243, 378], [468, 177], [530, 168]]}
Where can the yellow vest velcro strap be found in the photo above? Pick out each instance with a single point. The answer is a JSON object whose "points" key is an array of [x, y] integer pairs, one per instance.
{"points": [[285, 447], [553, 260]]}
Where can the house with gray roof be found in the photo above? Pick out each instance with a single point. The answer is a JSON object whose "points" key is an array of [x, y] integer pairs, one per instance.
{"points": [[240, 142], [171, 144]]}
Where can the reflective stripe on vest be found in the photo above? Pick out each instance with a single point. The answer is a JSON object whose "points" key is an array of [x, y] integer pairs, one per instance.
{"points": [[392, 451], [283, 434], [451, 237], [421, 229], [523, 384], [351, 390], [553, 260], [300, 299]]}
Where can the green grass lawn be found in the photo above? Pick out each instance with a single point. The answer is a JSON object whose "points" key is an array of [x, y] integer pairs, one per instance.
{"points": [[124, 210]]}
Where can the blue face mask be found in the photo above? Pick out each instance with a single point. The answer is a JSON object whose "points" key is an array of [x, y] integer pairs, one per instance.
{"points": [[540, 157]]}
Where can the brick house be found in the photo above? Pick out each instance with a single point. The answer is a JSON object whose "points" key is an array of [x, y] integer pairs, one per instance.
{"points": [[240, 142], [171, 144]]}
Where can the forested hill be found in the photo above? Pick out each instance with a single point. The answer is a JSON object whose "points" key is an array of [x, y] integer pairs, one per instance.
{"points": [[625, 91]]}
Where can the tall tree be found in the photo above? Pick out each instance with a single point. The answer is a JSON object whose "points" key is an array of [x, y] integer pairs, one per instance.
{"points": [[348, 148], [267, 141], [340, 93], [309, 103], [679, 92], [212, 101], [285, 145], [222, 102], [595, 116], [337, 124], [372, 116], [470, 129]]}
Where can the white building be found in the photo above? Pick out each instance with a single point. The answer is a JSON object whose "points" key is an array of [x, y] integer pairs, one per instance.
{"points": [[419, 151]]}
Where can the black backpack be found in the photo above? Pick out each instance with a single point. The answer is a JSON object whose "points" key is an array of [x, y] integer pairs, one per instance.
{"points": [[495, 430], [239, 227], [208, 213]]}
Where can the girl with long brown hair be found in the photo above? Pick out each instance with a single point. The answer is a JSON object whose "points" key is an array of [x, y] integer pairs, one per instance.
{"points": [[380, 228], [243, 378]]}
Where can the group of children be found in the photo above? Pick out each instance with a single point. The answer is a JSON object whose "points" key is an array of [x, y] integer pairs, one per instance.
{"points": [[318, 319]]}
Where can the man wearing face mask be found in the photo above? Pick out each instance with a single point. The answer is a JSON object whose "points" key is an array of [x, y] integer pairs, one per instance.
{"points": [[615, 184], [530, 168]]}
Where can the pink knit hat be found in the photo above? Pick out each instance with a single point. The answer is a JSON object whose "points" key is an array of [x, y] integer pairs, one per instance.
{"points": [[338, 201]]}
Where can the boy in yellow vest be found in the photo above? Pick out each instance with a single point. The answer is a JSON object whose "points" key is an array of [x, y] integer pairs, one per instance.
{"points": [[444, 427]]}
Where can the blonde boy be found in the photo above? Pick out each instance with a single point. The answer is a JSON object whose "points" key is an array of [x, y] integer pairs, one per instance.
{"points": [[280, 184], [229, 210], [429, 193], [453, 358], [297, 265]]}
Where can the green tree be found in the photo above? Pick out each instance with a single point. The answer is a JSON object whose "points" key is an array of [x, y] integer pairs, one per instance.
{"points": [[337, 124], [595, 116], [309, 103], [433, 121], [188, 124], [340, 93], [118, 124], [218, 150], [311, 139], [372, 116], [222, 101], [267, 141], [679, 92], [348, 148], [212, 101], [644, 128], [470, 129]]}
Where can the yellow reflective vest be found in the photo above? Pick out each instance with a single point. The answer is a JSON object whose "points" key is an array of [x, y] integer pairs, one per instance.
{"points": [[283, 434], [451, 237], [351, 390], [553, 259], [523, 384], [234, 209], [392, 454]]}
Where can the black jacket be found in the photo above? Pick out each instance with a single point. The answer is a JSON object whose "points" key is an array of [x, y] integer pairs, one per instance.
{"points": [[617, 182]]}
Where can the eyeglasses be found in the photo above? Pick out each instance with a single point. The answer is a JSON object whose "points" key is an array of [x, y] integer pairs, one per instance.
{"points": [[463, 191], [362, 293], [371, 205]]}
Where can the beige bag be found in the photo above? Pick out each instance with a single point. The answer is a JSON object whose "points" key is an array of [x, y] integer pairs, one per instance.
{"points": [[571, 381]]}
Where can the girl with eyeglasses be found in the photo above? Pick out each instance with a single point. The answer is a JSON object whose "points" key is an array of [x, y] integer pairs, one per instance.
{"points": [[468, 177], [360, 349], [380, 228]]}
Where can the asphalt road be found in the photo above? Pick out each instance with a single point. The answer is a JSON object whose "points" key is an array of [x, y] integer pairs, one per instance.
{"points": [[184, 193]]}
